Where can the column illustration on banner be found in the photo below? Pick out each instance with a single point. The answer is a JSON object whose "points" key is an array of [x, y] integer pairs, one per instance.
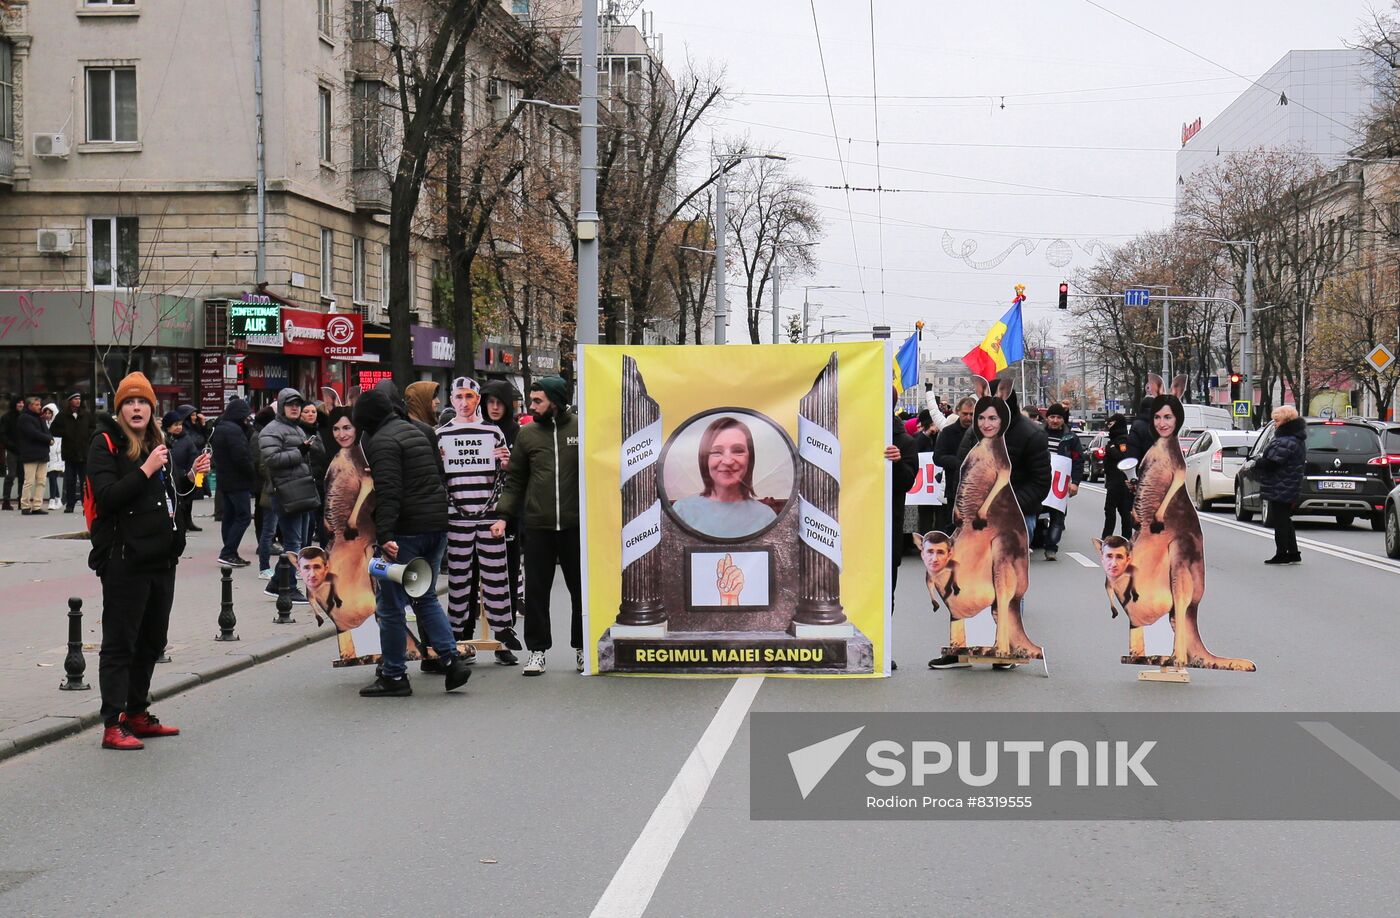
{"points": [[1161, 573], [642, 613], [729, 535]]}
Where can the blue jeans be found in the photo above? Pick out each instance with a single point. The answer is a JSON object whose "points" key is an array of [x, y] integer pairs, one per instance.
{"points": [[238, 513], [1055, 531], [295, 528], [433, 625]]}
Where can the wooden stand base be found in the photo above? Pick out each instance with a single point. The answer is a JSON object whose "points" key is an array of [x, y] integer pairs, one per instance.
{"points": [[1165, 674]]}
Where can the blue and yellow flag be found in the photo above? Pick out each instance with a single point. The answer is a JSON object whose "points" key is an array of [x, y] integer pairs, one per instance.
{"points": [[906, 364]]}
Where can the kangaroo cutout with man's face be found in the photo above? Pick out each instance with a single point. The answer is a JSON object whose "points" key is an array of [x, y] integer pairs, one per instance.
{"points": [[1162, 571], [985, 562]]}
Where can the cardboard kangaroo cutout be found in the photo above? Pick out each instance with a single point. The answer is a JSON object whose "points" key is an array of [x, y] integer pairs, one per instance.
{"points": [[1162, 571], [985, 562]]}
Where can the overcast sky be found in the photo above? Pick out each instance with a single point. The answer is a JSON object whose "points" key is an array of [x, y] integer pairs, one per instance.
{"points": [[1093, 106]]}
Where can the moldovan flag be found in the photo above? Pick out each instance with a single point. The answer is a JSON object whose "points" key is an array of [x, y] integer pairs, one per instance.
{"points": [[1003, 345], [906, 364]]}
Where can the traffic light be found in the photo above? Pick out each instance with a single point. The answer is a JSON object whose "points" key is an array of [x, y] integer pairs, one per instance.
{"points": [[1235, 380], [1064, 295]]}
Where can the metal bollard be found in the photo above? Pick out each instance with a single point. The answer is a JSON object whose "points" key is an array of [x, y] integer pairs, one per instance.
{"points": [[74, 664], [286, 583], [227, 620]]}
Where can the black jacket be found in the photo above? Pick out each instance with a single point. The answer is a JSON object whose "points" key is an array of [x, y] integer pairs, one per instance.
{"points": [[8, 430], [945, 454], [32, 437], [905, 470], [233, 454], [1030, 458], [1114, 452], [185, 450], [1140, 432], [136, 519], [76, 431], [1073, 448], [409, 497], [1280, 470], [505, 393]]}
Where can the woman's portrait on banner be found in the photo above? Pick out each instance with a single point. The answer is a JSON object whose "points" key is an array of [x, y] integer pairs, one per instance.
{"points": [[727, 474]]}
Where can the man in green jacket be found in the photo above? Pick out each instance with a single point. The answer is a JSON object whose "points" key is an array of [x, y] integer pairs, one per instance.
{"points": [[541, 489]]}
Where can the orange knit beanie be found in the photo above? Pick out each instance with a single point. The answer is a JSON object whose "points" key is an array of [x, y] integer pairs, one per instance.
{"points": [[134, 385]]}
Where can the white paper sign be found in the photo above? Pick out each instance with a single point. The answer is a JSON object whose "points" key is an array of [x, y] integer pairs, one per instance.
{"points": [[819, 446], [641, 450], [641, 534], [1061, 474], [819, 531], [467, 453], [929, 486]]}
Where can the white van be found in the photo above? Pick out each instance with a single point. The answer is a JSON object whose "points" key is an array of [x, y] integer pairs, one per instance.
{"points": [[1200, 418]]}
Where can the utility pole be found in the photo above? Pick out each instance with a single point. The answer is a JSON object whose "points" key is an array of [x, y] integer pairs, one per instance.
{"points": [[586, 310], [721, 292], [1246, 344], [777, 271]]}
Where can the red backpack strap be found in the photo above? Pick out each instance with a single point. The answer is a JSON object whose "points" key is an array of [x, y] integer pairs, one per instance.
{"points": [[110, 447]]}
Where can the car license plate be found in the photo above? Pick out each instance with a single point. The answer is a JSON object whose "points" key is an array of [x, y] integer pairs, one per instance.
{"points": [[1336, 486]]}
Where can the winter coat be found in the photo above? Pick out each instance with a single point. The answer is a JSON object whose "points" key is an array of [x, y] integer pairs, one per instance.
{"points": [[9, 431], [75, 430], [1280, 470], [1029, 452], [184, 450], [945, 455], [316, 457], [56, 446], [286, 454], [541, 485], [1071, 447], [906, 469], [32, 436], [233, 455], [409, 495], [1141, 436], [505, 394], [136, 519], [1114, 452]]}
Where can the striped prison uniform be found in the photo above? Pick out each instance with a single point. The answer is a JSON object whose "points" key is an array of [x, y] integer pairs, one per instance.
{"points": [[476, 562]]}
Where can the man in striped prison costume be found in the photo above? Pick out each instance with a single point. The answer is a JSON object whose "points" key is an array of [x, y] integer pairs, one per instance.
{"points": [[474, 460]]}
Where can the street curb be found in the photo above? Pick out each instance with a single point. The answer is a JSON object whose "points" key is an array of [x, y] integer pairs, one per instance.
{"points": [[52, 727]]}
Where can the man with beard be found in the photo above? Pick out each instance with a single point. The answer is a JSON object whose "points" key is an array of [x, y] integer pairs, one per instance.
{"points": [[541, 489]]}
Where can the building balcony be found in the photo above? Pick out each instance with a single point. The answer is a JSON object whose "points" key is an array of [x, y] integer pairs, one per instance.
{"points": [[370, 57], [7, 162], [371, 190]]}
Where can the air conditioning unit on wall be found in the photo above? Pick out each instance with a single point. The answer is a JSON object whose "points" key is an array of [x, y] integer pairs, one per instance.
{"points": [[55, 241], [50, 146]]}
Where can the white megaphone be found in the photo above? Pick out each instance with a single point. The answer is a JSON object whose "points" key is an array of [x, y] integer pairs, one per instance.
{"points": [[1129, 469], [416, 577]]}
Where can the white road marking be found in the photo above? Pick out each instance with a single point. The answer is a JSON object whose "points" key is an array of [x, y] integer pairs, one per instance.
{"points": [[1081, 559], [1326, 548], [634, 883]]}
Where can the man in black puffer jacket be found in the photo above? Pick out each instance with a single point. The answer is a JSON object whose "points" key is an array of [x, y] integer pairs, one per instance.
{"points": [[1280, 475], [410, 521], [237, 477]]}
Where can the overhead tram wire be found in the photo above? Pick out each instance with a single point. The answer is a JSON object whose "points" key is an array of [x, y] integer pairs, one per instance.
{"points": [[879, 198], [835, 138], [1199, 56]]}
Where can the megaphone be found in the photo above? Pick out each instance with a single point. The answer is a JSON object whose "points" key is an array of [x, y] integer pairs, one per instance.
{"points": [[416, 577], [1129, 469]]}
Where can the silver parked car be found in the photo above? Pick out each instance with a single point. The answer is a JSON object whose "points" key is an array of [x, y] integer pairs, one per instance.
{"points": [[1211, 464]]}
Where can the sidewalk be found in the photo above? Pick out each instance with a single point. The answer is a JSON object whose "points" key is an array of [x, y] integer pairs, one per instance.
{"points": [[37, 575]]}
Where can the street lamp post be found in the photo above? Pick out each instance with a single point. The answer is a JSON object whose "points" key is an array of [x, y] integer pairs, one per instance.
{"points": [[807, 306], [1246, 341], [777, 274]]}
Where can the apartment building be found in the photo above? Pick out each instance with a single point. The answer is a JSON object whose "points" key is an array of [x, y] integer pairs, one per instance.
{"points": [[131, 220]]}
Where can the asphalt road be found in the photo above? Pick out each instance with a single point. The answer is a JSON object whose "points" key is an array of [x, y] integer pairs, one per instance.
{"points": [[289, 794]]}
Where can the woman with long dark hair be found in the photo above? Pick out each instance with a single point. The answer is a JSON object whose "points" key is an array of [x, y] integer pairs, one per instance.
{"points": [[136, 543]]}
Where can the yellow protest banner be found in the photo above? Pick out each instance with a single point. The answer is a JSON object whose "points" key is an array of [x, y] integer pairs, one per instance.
{"points": [[736, 509]]}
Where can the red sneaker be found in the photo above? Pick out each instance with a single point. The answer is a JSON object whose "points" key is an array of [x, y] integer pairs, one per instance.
{"points": [[120, 737], [145, 724]]}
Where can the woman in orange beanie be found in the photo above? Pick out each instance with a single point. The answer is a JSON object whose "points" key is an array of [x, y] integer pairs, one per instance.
{"points": [[136, 543]]}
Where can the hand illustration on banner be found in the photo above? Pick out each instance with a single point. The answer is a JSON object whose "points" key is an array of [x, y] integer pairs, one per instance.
{"points": [[729, 582]]}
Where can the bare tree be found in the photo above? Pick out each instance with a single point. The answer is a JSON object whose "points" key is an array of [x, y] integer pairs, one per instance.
{"points": [[689, 271], [1359, 310], [773, 218], [642, 148]]}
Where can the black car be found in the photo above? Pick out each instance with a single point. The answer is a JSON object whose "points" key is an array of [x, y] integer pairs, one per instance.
{"points": [[1094, 450], [1345, 475]]}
